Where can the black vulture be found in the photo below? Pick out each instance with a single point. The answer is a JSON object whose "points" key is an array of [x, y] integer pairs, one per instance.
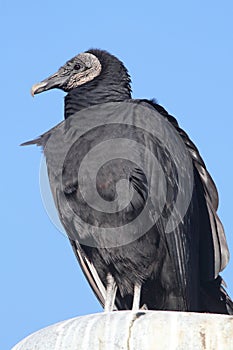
{"points": [[133, 194]]}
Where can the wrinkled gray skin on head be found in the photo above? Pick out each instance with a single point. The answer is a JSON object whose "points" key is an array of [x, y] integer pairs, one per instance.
{"points": [[77, 71]]}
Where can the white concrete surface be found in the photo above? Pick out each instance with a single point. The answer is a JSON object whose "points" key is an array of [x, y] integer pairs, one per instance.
{"points": [[127, 330]]}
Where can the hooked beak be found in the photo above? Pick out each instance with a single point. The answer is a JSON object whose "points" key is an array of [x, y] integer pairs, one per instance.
{"points": [[37, 88], [54, 81]]}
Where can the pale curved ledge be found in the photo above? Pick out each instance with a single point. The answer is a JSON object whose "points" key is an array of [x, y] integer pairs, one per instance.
{"points": [[128, 330]]}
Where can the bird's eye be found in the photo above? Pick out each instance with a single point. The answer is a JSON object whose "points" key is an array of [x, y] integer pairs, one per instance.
{"points": [[77, 66]]}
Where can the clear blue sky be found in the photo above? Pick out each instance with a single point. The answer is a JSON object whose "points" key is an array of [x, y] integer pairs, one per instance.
{"points": [[180, 52]]}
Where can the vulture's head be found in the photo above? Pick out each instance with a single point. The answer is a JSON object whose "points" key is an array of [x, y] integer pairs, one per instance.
{"points": [[93, 65]]}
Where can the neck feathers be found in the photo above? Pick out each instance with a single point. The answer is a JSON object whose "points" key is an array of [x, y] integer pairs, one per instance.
{"points": [[112, 85]]}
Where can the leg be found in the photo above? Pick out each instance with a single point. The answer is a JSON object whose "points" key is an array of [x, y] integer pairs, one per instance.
{"points": [[110, 293], [136, 297]]}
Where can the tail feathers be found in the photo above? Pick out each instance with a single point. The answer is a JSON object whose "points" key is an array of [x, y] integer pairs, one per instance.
{"points": [[214, 298], [227, 300]]}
